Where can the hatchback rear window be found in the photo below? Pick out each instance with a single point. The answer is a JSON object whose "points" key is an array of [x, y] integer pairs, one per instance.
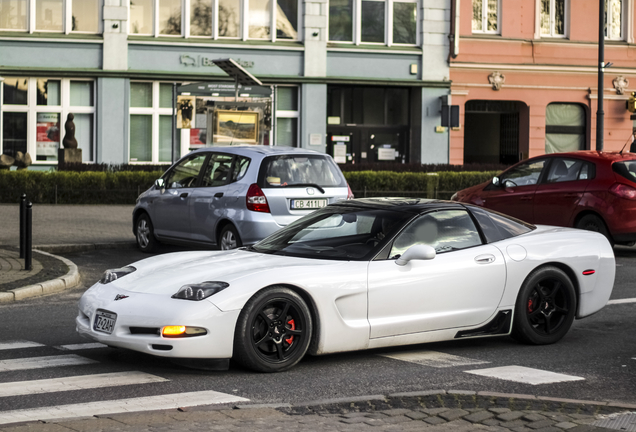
{"points": [[300, 170], [626, 169]]}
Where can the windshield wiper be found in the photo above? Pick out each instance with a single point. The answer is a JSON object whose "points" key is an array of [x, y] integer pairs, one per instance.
{"points": [[305, 184]]}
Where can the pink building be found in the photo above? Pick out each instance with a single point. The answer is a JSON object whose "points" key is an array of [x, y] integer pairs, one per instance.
{"points": [[524, 74]]}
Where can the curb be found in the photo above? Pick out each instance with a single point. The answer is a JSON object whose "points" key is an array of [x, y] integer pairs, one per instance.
{"points": [[83, 247], [69, 280], [484, 394]]}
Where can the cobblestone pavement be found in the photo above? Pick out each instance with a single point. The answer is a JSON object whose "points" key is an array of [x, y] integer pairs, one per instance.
{"points": [[11, 267], [69, 224], [429, 411]]}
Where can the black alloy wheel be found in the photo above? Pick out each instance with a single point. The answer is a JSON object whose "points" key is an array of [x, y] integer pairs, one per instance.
{"points": [[545, 307], [273, 331]]}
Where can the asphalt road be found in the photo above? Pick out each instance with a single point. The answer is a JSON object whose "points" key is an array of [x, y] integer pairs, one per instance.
{"points": [[600, 349]]}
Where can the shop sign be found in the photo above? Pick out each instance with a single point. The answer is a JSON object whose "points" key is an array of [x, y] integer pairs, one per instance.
{"points": [[48, 134], [201, 61]]}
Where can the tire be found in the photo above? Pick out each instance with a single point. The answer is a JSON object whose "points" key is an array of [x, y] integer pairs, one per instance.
{"points": [[263, 341], [229, 238], [145, 234], [545, 307], [594, 223]]}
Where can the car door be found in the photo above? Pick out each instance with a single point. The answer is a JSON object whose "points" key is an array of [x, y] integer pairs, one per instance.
{"points": [[561, 190], [171, 212], [514, 194], [209, 201], [461, 286]]}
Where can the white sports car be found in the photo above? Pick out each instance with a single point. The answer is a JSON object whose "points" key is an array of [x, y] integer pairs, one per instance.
{"points": [[354, 275]]}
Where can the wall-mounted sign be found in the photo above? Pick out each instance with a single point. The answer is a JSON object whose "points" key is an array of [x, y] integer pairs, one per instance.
{"points": [[343, 138], [340, 152], [386, 154], [315, 139], [201, 61]]}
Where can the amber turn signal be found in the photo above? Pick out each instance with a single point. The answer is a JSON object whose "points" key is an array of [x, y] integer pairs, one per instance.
{"points": [[173, 330]]}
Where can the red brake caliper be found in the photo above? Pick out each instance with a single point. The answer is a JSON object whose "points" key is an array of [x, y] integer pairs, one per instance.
{"points": [[292, 326], [529, 305]]}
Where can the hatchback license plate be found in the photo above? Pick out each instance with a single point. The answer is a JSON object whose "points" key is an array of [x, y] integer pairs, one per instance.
{"points": [[307, 204], [104, 321]]}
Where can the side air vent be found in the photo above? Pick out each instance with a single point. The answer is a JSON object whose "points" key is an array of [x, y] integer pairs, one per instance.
{"points": [[499, 325]]}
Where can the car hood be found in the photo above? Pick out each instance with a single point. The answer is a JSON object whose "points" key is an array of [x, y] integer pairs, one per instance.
{"points": [[472, 194], [165, 274]]}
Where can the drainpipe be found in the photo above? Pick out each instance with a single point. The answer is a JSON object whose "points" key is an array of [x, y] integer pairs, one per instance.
{"points": [[600, 114], [454, 30]]}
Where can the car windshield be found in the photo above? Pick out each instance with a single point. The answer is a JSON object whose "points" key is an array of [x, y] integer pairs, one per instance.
{"points": [[335, 233], [300, 170], [626, 169]]}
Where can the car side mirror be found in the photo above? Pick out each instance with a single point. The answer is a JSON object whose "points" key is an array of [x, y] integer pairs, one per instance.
{"points": [[417, 252], [159, 183], [496, 181]]}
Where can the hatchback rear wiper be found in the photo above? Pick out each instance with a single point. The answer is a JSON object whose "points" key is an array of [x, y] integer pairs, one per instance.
{"points": [[314, 185]]}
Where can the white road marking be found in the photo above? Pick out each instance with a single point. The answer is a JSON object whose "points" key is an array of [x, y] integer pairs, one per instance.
{"points": [[151, 403], [524, 375], [433, 358], [18, 344], [77, 383], [43, 362], [75, 347], [622, 301]]}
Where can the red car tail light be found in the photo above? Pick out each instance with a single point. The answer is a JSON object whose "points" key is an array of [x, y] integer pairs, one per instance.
{"points": [[349, 193], [623, 191], [256, 200]]}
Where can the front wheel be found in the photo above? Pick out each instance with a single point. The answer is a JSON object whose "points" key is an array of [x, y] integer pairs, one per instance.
{"points": [[545, 307], [145, 234], [229, 238], [273, 331]]}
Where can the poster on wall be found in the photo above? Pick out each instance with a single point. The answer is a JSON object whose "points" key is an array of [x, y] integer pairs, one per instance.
{"points": [[48, 134], [236, 127], [185, 112]]}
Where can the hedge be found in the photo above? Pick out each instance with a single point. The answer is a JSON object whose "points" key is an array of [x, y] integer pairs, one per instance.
{"points": [[57, 187], [67, 187]]}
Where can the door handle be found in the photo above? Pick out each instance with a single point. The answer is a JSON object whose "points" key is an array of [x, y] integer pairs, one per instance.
{"points": [[571, 195], [526, 198], [218, 195], [485, 259], [183, 195]]}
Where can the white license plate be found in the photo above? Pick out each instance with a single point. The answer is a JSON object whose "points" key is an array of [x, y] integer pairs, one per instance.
{"points": [[104, 321], [307, 204]]}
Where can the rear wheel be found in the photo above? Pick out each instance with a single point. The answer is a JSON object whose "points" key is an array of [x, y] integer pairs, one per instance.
{"points": [[545, 307], [594, 223], [229, 238], [273, 331], [145, 234]]}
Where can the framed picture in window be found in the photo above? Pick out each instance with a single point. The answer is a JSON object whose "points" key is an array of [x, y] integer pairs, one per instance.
{"points": [[234, 127]]}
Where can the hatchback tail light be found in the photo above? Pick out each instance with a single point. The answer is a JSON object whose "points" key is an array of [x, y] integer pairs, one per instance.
{"points": [[349, 193], [623, 191], [256, 200]]}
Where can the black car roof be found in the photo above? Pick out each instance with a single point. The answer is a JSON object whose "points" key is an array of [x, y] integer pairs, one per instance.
{"points": [[410, 205]]}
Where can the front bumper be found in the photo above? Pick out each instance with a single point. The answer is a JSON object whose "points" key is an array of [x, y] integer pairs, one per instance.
{"points": [[148, 312]]}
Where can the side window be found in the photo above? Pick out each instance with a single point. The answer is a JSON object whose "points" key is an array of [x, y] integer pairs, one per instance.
{"points": [[563, 170], [240, 168], [446, 231], [588, 171], [186, 173], [217, 172], [526, 174], [496, 226]]}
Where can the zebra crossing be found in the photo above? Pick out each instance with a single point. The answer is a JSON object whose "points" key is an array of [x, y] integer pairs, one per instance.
{"points": [[63, 384]]}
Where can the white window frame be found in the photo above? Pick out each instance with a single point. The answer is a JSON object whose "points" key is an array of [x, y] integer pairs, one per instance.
{"points": [[155, 111], [67, 19], [484, 18], [32, 109], [286, 114], [609, 36], [566, 20], [388, 24]]}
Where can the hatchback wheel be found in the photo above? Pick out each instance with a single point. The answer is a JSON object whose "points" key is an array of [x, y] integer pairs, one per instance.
{"points": [[594, 223], [229, 238], [145, 234]]}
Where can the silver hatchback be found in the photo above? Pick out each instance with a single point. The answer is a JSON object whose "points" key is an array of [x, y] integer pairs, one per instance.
{"points": [[235, 196]]}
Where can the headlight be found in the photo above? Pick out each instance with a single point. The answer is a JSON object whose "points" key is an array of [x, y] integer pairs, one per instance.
{"points": [[454, 197], [200, 291], [114, 274]]}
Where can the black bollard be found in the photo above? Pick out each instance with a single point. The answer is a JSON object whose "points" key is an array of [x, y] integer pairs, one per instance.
{"points": [[27, 238], [22, 223]]}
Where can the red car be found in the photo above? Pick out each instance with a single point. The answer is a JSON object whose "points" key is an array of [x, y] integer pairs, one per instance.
{"points": [[587, 189]]}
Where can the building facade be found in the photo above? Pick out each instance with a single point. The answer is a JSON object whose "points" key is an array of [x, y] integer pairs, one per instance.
{"points": [[361, 79], [524, 74]]}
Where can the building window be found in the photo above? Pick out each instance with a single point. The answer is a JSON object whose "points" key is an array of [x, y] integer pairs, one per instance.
{"points": [[151, 122], [553, 18], [34, 111], [287, 116], [387, 22], [565, 127], [234, 19], [61, 16], [614, 19], [486, 16]]}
